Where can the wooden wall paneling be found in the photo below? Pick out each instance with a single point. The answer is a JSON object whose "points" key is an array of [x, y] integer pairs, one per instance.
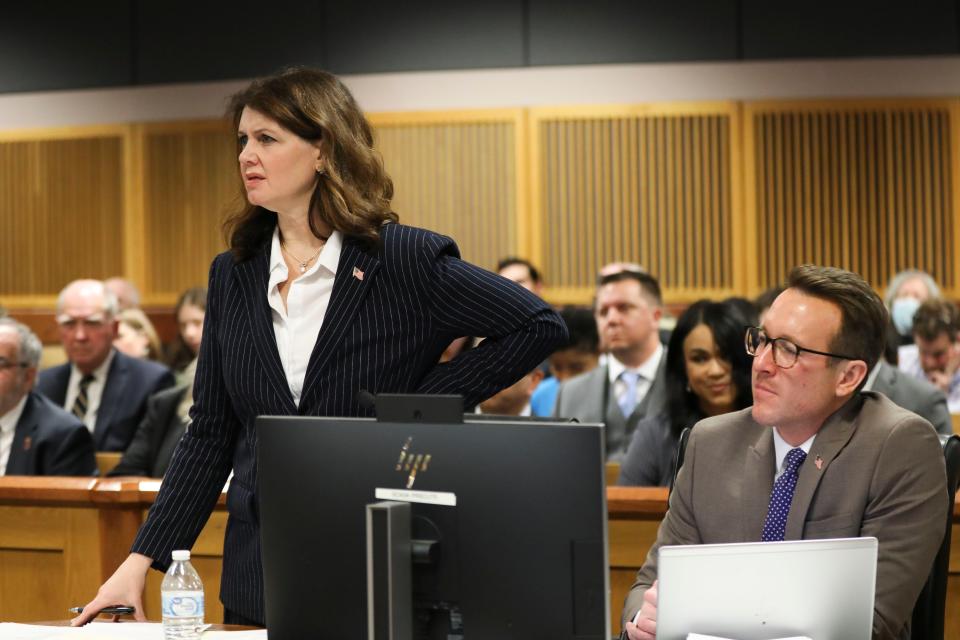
{"points": [[950, 172], [190, 183], [534, 236], [459, 173], [670, 217], [629, 161], [922, 195], [754, 193], [657, 262], [134, 236], [716, 219], [860, 184], [735, 235], [61, 210], [869, 234], [574, 174], [646, 183], [942, 121]]}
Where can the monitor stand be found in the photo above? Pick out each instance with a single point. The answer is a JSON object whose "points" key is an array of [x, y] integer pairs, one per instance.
{"points": [[390, 550], [389, 579]]}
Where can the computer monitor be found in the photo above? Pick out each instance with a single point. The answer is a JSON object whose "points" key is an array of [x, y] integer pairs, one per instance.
{"points": [[522, 554]]}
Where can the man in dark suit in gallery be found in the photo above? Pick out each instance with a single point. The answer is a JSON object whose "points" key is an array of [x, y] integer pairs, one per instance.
{"points": [[36, 436], [814, 457], [104, 388], [630, 385]]}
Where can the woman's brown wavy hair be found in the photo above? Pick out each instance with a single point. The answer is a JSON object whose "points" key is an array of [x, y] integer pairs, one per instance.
{"points": [[353, 192]]}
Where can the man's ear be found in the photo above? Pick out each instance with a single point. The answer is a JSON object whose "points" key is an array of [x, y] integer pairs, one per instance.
{"points": [[853, 373]]}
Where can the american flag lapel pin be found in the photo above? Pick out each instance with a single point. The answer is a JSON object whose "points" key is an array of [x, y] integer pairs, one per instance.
{"points": [[27, 443], [819, 462], [358, 274]]}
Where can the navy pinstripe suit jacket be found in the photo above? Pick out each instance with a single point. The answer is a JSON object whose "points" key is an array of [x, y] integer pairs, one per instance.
{"points": [[383, 332]]}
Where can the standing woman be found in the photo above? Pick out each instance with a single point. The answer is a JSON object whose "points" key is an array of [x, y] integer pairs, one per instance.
{"points": [[321, 296], [707, 374]]}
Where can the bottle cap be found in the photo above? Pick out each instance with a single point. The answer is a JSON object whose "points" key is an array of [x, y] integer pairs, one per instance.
{"points": [[180, 555]]}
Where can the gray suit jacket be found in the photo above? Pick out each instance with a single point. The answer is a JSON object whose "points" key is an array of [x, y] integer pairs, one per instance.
{"points": [[589, 398], [882, 475], [915, 395]]}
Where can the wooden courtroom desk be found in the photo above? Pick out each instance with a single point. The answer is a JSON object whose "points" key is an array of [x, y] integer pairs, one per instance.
{"points": [[60, 538]]}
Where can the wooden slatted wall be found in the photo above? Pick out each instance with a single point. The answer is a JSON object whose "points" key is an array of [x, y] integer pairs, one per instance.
{"points": [[462, 174], [61, 210], [865, 186], [714, 198], [190, 183], [655, 184]]}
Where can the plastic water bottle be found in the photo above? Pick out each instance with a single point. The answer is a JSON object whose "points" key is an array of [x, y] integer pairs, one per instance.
{"points": [[182, 596]]}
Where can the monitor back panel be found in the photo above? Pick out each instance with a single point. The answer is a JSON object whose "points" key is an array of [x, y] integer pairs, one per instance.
{"points": [[529, 521]]}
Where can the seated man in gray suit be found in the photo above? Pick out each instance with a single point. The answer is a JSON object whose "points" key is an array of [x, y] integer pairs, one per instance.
{"points": [[630, 385], [106, 389], [912, 394], [814, 457], [37, 438]]}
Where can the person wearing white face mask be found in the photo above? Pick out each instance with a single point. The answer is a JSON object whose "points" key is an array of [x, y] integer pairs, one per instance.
{"points": [[906, 291]]}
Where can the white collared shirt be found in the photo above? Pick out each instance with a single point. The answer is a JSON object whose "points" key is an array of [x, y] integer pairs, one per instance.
{"points": [[8, 428], [782, 448], [297, 326], [647, 371], [94, 390]]}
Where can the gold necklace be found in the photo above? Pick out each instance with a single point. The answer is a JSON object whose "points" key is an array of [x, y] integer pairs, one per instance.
{"points": [[301, 263]]}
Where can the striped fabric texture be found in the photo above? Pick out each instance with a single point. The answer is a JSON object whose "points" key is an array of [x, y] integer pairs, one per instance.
{"points": [[80, 404]]}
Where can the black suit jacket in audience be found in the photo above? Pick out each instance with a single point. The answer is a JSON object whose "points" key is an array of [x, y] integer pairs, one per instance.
{"points": [[48, 441], [130, 381], [157, 436], [392, 312]]}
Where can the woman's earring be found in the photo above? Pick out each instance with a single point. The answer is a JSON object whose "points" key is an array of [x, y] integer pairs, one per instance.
{"points": [[688, 388], [319, 168]]}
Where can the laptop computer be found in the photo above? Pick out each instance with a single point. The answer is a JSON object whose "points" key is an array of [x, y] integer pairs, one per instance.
{"points": [[820, 589]]}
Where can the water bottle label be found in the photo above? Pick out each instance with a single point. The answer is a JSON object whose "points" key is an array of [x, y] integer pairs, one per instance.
{"points": [[182, 604]]}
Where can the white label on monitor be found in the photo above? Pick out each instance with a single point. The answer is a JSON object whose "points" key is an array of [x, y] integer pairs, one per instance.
{"points": [[424, 497]]}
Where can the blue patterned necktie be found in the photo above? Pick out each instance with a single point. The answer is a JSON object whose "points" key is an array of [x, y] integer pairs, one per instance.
{"points": [[628, 399], [782, 496]]}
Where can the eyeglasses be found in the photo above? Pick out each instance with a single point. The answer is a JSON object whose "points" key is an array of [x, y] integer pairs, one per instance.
{"points": [[785, 353], [9, 364]]}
